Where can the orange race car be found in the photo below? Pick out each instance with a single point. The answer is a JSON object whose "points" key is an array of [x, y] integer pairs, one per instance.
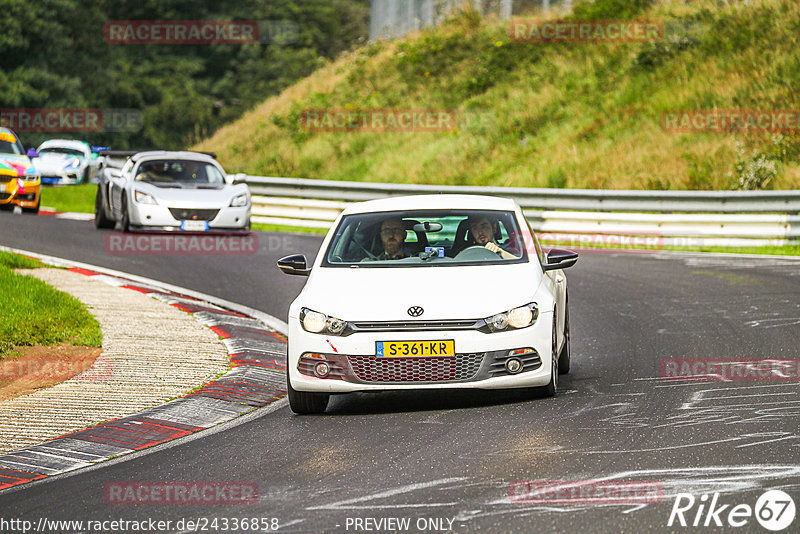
{"points": [[20, 182]]}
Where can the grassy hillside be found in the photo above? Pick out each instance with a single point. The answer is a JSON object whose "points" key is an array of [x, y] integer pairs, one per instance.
{"points": [[548, 115]]}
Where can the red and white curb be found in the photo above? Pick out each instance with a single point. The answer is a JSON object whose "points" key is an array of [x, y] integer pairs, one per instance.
{"points": [[257, 379], [71, 215]]}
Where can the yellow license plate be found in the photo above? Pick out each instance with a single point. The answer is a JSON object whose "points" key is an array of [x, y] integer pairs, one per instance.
{"points": [[411, 349]]}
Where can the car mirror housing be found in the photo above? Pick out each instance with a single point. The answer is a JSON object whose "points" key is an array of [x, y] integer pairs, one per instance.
{"points": [[32, 153], [559, 258], [428, 227], [238, 178], [294, 264]]}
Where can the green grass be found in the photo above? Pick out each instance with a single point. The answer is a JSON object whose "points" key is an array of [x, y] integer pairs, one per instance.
{"points": [[34, 313], [76, 198], [581, 115], [289, 229], [10, 260]]}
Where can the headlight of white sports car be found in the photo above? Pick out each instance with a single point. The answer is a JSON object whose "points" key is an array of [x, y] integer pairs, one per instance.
{"points": [[521, 317], [239, 201], [144, 198], [319, 323]]}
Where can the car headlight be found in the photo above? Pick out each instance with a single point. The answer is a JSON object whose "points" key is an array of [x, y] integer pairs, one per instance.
{"points": [[319, 323], [74, 164], [144, 198], [239, 201], [521, 317]]}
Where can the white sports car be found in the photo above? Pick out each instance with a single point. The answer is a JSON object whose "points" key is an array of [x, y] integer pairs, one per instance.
{"points": [[64, 161], [172, 191], [428, 292]]}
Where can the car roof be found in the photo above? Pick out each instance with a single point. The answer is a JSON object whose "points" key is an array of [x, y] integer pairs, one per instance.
{"points": [[67, 143], [168, 154], [424, 202], [5, 130]]}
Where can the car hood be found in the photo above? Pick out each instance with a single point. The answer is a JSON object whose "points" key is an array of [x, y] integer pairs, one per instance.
{"points": [[13, 163], [57, 162], [189, 197], [386, 294]]}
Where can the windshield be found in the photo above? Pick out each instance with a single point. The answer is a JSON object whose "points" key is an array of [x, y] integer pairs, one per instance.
{"points": [[426, 238], [61, 150], [185, 172], [9, 144]]}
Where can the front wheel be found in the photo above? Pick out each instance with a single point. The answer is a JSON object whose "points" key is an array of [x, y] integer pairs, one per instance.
{"points": [[564, 357], [304, 402], [125, 223], [34, 209], [550, 389], [100, 219]]}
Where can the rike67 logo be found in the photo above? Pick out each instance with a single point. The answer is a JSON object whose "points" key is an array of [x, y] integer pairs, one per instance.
{"points": [[774, 510]]}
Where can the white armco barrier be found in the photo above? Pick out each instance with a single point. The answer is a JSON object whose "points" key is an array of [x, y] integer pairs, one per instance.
{"points": [[686, 218]]}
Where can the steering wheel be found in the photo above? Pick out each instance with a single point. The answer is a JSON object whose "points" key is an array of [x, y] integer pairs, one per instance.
{"points": [[476, 252]]}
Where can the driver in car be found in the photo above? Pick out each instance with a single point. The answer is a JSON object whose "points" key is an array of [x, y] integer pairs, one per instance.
{"points": [[393, 237], [483, 231]]}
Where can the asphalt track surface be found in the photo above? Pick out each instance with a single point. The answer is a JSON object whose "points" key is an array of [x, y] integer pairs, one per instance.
{"points": [[453, 456]]}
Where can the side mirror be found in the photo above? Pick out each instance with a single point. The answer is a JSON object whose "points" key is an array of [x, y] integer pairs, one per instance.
{"points": [[559, 258], [294, 264], [32, 153], [239, 178]]}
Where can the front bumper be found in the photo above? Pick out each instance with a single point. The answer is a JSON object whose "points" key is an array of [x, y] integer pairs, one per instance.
{"points": [[18, 192], [478, 363], [161, 217]]}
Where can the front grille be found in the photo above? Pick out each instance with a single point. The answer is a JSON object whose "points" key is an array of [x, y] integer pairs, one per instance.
{"points": [[428, 369], [5, 196], [182, 214], [377, 326]]}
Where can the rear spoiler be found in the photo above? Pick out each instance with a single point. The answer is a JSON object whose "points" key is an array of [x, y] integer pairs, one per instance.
{"points": [[118, 153], [131, 153]]}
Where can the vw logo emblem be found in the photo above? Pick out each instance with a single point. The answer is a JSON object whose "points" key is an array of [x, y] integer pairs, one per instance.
{"points": [[415, 311]]}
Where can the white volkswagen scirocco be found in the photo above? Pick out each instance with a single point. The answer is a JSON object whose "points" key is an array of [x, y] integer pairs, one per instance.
{"points": [[428, 292]]}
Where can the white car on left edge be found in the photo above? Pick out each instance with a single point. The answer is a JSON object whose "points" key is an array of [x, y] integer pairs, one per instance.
{"points": [[65, 161], [171, 191], [428, 292]]}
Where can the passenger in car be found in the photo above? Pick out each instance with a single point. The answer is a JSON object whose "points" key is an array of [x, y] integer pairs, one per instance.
{"points": [[483, 231], [393, 237]]}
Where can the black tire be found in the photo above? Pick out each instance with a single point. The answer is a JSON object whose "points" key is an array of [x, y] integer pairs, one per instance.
{"points": [[550, 389], [34, 209], [564, 357], [305, 403], [125, 221], [100, 219]]}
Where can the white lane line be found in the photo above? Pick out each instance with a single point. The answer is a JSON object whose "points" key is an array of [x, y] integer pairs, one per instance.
{"points": [[350, 503]]}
